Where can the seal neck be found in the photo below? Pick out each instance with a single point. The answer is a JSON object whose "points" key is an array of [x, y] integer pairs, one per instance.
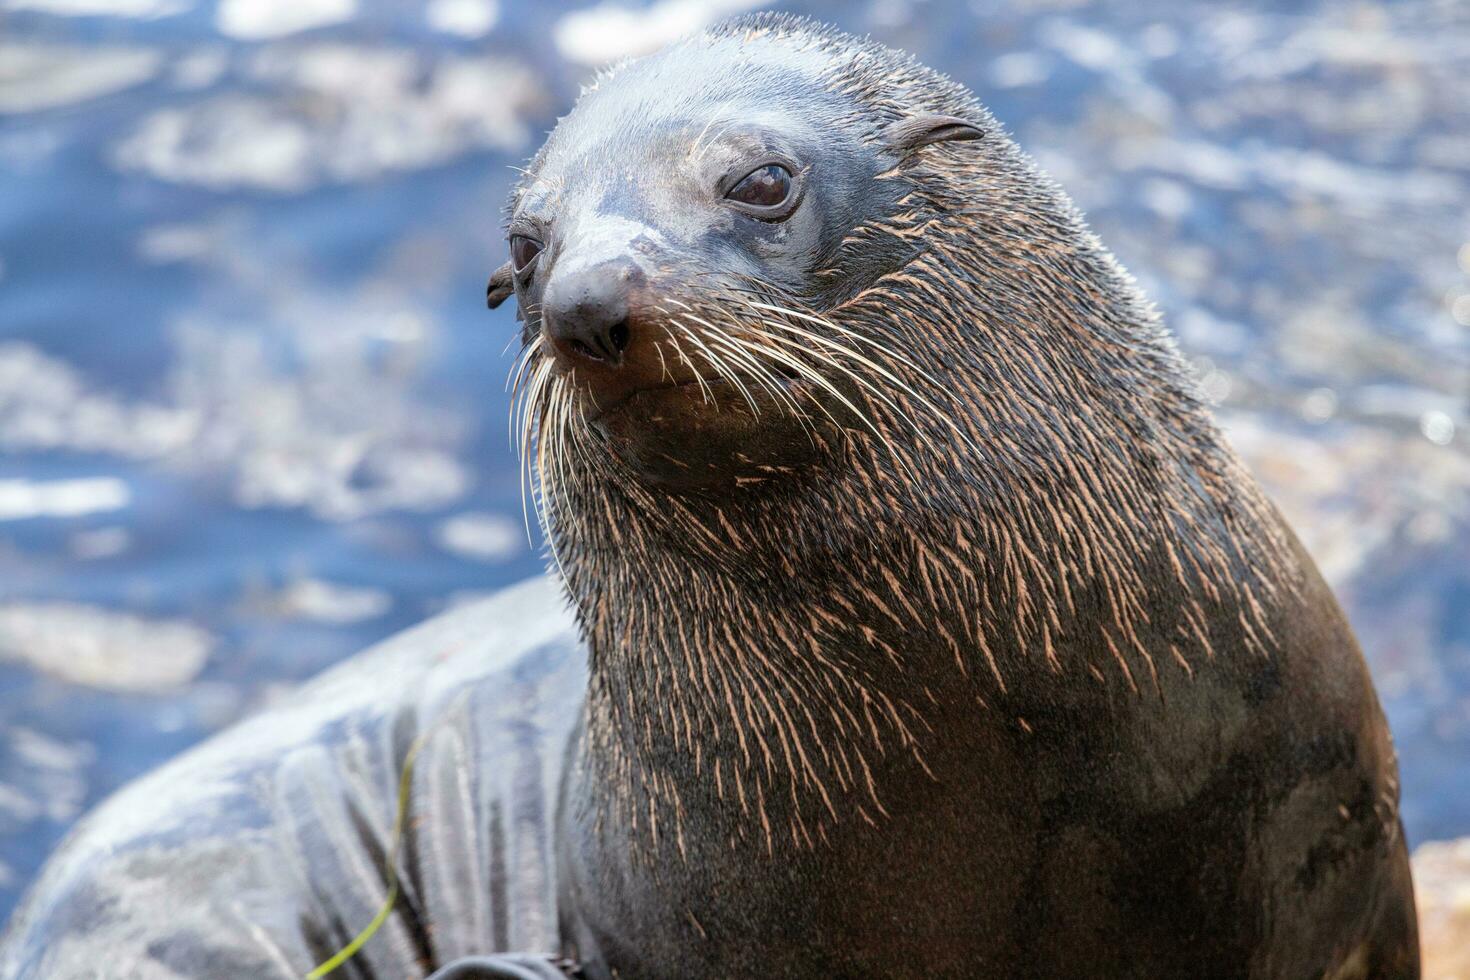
{"points": [[1062, 504]]}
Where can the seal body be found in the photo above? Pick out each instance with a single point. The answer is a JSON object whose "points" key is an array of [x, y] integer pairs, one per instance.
{"points": [[1238, 824], [924, 624], [1008, 669]]}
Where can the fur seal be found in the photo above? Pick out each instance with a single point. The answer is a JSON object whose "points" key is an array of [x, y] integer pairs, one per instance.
{"points": [[931, 629]]}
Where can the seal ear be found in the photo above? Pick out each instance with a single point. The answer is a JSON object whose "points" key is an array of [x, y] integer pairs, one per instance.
{"points": [[502, 284], [908, 135]]}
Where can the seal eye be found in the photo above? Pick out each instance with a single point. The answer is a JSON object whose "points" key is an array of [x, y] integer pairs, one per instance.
{"points": [[523, 252], [766, 187]]}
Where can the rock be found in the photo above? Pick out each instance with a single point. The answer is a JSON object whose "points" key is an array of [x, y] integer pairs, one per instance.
{"points": [[1442, 890]]}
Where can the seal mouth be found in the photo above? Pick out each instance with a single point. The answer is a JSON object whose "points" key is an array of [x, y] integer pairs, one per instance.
{"points": [[786, 378], [623, 399]]}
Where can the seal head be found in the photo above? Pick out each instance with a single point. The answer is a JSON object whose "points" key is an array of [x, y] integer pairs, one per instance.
{"points": [[919, 586], [663, 249]]}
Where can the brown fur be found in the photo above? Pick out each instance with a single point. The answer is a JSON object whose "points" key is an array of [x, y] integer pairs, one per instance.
{"points": [[1014, 547], [1073, 452]]}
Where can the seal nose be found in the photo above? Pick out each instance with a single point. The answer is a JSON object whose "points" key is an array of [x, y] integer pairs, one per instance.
{"points": [[585, 315]]}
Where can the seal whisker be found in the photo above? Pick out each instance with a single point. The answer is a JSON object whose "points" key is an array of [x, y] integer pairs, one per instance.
{"points": [[722, 337], [548, 475], [765, 294], [526, 400], [699, 378], [829, 349], [663, 365], [705, 391], [532, 415], [527, 353], [743, 353], [516, 381], [867, 384], [739, 325], [748, 355], [522, 466], [847, 351], [808, 373], [802, 371], [721, 368]]}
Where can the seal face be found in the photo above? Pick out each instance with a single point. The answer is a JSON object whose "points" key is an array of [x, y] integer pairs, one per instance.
{"points": [[918, 585], [664, 251]]}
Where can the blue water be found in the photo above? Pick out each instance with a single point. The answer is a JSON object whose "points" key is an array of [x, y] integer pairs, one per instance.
{"points": [[252, 408]]}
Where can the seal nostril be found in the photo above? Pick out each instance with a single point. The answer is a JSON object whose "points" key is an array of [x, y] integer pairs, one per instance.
{"points": [[619, 336]]}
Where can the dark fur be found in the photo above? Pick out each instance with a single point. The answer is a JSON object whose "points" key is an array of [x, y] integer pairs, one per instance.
{"points": [[1020, 676]]}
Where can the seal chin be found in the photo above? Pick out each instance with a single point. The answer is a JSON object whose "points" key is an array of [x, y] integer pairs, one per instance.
{"points": [[698, 436]]}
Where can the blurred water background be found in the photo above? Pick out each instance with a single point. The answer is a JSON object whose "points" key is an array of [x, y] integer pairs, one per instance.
{"points": [[252, 408]]}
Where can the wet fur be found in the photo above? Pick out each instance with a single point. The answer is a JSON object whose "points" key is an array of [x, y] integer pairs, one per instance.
{"points": [[1020, 675]]}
